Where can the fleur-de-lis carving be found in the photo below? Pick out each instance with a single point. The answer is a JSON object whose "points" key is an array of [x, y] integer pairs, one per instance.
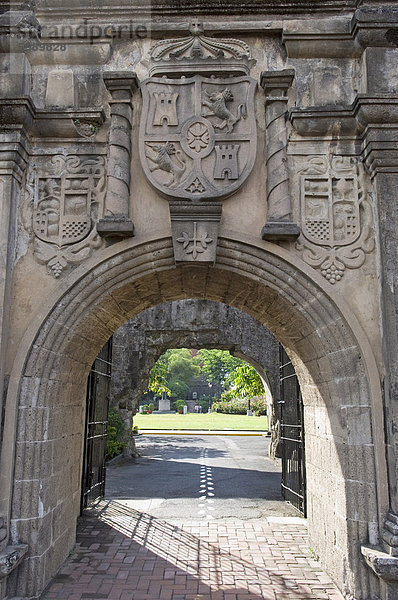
{"points": [[199, 242]]}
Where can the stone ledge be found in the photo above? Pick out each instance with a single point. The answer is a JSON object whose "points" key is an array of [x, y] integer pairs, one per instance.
{"points": [[10, 558], [115, 228], [274, 231], [50, 122], [346, 120], [382, 564], [371, 24], [68, 122], [56, 9]]}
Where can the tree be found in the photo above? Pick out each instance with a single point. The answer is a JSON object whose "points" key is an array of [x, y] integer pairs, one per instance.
{"points": [[182, 368], [158, 377], [247, 382], [219, 366], [173, 372], [176, 368]]}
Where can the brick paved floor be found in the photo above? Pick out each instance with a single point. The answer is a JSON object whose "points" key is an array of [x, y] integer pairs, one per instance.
{"points": [[124, 554]]}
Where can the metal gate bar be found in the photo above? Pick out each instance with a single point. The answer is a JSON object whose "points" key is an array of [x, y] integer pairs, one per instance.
{"points": [[94, 470], [292, 435]]}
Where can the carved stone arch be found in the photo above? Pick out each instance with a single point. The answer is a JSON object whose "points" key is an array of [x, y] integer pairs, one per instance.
{"points": [[193, 323], [346, 471]]}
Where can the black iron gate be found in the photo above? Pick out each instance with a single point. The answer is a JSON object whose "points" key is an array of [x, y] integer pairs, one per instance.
{"points": [[93, 484], [292, 435]]}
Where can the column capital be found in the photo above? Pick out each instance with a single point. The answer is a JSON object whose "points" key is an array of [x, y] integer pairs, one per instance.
{"points": [[17, 112], [277, 83], [121, 83], [379, 149]]}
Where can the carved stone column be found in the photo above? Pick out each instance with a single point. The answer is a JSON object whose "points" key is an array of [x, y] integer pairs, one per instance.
{"points": [[116, 222], [279, 225]]}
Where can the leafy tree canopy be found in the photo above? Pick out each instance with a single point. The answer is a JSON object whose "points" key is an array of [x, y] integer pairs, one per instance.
{"points": [[173, 372], [158, 377], [176, 368], [247, 382], [218, 366]]}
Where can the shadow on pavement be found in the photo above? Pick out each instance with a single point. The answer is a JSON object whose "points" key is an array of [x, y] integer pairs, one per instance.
{"points": [[123, 553]]}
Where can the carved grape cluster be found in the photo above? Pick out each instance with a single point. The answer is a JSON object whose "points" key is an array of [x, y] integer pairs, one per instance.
{"points": [[333, 273]]}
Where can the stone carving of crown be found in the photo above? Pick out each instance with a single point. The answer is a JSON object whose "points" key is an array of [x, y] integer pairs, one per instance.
{"points": [[198, 53]]}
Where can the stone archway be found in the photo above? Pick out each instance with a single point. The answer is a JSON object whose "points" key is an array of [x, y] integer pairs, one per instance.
{"points": [[193, 323], [344, 428]]}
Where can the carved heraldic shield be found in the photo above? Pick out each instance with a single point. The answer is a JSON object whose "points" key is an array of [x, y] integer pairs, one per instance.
{"points": [[198, 133], [336, 217], [330, 210]]}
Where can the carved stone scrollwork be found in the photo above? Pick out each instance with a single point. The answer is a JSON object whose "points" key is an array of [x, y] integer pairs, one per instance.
{"points": [[336, 219], [64, 199], [199, 53]]}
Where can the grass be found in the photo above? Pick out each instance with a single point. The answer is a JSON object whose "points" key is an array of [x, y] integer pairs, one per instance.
{"points": [[206, 421]]}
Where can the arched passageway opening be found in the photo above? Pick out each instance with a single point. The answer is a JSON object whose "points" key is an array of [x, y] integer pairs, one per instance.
{"points": [[345, 468], [192, 323]]}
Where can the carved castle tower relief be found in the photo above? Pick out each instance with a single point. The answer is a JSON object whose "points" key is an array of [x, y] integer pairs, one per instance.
{"points": [[227, 162], [165, 108]]}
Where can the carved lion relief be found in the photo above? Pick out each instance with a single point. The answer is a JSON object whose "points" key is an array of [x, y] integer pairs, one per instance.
{"points": [[336, 219], [64, 199]]}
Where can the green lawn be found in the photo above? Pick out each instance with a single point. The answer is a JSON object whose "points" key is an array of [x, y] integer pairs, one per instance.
{"points": [[212, 421]]}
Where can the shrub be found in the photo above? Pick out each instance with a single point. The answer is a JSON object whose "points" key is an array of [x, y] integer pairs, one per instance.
{"points": [[114, 445], [145, 408], [236, 406], [204, 403], [259, 406], [151, 407], [179, 405], [239, 406]]}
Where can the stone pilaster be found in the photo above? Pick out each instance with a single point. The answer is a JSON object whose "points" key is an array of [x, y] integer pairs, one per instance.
{"points": [[379, 154], [116, 223], [16, 117], [381, 157], [375, 30], [279, 225]]}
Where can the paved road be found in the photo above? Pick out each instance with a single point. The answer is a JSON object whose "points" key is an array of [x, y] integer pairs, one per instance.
{"points": [[195, 518], [200, 477]]}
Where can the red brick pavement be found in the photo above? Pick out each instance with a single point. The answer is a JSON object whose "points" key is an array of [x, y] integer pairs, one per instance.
{"points": [[123, 554]]}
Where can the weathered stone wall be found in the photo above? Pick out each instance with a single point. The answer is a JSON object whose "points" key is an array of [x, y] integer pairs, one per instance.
{"points": [[189, 324], [138, 344], [80, 255]]}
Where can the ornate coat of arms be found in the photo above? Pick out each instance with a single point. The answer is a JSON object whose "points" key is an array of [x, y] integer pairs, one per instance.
{"points": [[198, 132], [336, 218], [62, 212], [64, 197], [198, 135], [330, 210]]}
